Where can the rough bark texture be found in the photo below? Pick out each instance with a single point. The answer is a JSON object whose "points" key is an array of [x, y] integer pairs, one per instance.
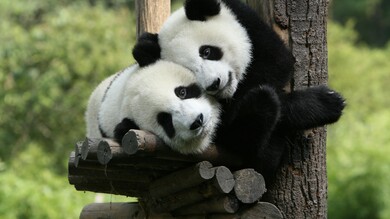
{"points": [[300, 190], [159, 10]]}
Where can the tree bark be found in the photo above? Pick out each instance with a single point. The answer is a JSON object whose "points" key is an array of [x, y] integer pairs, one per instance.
{"points": [[159, 10], [300, 190]]}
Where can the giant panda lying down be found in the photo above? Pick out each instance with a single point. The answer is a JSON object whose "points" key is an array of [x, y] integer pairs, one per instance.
{"points": [[241, 61], [162, 98]]}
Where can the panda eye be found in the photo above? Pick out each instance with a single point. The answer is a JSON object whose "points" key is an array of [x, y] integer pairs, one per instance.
{"points": [[206, 53], [181, 92], [191, 91], [210, 52]]}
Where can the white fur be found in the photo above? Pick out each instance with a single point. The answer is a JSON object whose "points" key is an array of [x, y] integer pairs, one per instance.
{"points": [[141, 93], [180, 40]]}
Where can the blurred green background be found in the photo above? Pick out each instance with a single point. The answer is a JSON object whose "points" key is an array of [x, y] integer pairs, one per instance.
{"points": [[54, 52]]}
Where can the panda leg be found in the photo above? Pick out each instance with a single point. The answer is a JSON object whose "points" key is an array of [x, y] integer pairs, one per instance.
{"points": [[122, 128], [310, 108], [252, 122]]}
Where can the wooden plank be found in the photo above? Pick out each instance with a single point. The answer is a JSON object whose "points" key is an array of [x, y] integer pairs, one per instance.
{"points": [[142, 143]]}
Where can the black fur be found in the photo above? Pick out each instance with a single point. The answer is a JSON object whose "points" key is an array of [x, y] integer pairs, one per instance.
{"points": [[201, 9], [272, 64], [147, 50], [261, 117], [123, 127], [191, 91], [210, 52], [165, 120]]}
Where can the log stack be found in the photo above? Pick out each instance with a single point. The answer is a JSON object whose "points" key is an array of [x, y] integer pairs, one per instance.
{"points": [[168, 184]]}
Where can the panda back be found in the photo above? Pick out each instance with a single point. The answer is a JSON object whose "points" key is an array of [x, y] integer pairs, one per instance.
{"points": [[111, 100]]}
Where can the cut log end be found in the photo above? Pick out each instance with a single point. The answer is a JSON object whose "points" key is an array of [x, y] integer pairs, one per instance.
{"points": [[249, 186], [224, 179], [103, 153]]}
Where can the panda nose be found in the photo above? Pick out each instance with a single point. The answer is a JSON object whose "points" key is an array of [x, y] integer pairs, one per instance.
{"points": [[214, 86], [197, 123]]}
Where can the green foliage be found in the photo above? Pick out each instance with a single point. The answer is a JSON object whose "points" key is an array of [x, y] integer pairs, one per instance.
{"points": [[372, 18], [30, 189], [53, 53], [43, 68], [358, 146]]}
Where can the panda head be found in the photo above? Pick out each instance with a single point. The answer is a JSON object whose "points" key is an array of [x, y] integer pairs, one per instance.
{"points": [[165, 99], [205, 37]]}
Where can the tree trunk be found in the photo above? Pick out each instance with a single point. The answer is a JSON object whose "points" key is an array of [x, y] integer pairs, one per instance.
{"points": [[300, 190], [159, 10]]}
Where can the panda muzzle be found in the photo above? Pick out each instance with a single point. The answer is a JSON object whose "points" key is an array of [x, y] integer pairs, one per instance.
{"points": [[197, 123]]}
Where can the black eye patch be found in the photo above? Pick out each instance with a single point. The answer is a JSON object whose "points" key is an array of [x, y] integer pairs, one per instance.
{"points": [[210, 52], [165, 120], [191, 91]]}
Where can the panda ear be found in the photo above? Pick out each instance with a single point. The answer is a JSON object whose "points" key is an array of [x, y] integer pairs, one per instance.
{"points": [[201, 9], [147, 50]]}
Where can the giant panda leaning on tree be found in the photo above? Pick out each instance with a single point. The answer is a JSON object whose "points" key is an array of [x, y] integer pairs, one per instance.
{"points": [[162, 98], [236, 57]]}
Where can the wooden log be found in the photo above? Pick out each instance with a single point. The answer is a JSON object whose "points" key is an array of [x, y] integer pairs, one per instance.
{"points": [[222, 183], [219, 205], [262, 210], [132, 189], [223, 216], [139, 141], [150, 163], [159, 10], [147, 144], [97, 149], [121, 159], [223, 180], [112, 210], [182, 179], [130, 175], [77, 148], [249, 186]]}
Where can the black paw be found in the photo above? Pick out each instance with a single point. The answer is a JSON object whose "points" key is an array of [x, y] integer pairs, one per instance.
{"points": [[147, 50], [332, 104], [262, 103], [311, 108], [123, 127]]}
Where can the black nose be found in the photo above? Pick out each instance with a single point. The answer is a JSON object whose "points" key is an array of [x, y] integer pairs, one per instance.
{"points": [[214, 86], [197, 123]]}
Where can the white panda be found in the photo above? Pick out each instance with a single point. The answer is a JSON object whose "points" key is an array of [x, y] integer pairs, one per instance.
{"points": [[162, 98]]}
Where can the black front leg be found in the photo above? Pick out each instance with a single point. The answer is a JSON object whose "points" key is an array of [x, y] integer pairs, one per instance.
{"points": [[248, 126], [310, 108], [122, 128]]}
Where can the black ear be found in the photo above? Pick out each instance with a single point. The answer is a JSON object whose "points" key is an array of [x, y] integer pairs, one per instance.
{"points": [[200, 9], [147, 50]]}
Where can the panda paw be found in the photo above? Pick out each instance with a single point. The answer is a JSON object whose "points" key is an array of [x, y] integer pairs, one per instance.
{"points": [[262, 104], [312, 107], [147, 50], [332, 104]]}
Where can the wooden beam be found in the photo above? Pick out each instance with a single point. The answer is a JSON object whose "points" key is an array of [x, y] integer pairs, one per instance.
{"points": [[112, 210], [182, 179]]}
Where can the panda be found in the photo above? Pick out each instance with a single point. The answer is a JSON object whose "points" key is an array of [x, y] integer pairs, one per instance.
{"points": [[162, 98], [241, 61]]}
